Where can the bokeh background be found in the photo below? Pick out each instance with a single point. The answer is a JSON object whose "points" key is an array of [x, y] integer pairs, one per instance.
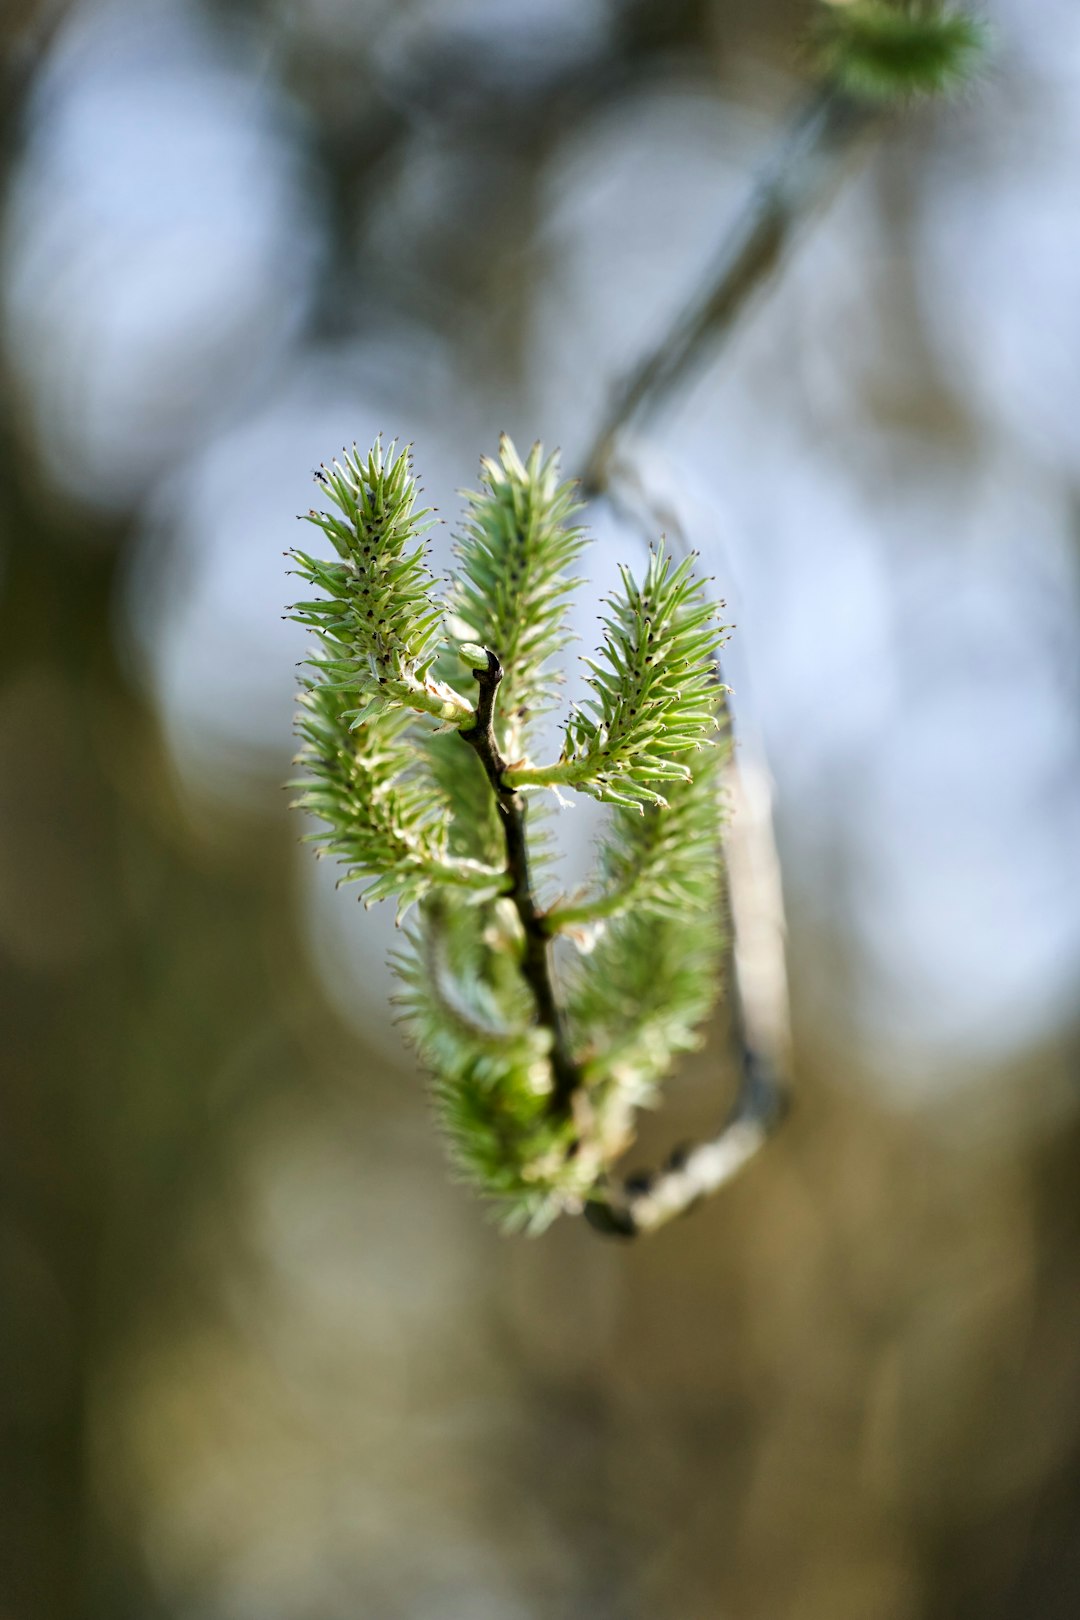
{"points": [[260, 1356]]}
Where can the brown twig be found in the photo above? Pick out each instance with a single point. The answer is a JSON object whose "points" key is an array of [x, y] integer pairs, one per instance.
{"points": [[806, 167], [535, 962]]}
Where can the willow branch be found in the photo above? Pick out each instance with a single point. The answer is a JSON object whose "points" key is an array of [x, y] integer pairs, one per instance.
{"points": [[535, 962], [760, 1022], [760, 1031], [802, 173]]}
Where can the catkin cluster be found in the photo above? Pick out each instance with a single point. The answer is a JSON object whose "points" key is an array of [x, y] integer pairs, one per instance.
{"points": [[417, 720]]}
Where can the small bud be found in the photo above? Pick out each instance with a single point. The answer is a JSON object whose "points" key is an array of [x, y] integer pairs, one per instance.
{"points": [[886, 50]]}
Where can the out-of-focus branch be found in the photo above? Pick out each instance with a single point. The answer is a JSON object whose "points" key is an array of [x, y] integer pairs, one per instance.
{"points": [[759, 1022], [759, 1012], [871, 54], [27, 31], [807, 164], [804, 170]]}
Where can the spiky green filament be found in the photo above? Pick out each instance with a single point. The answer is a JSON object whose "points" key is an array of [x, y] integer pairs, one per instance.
{"points": [[536, 1079], [379, 625], [469, 1015], [640, 997], [880, 50], [474, 826], [654, 692], [511, 587], [384, 818], [653, 863]]}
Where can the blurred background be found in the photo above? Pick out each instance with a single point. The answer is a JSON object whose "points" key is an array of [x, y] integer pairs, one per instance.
{"points": [[259, 1356]]}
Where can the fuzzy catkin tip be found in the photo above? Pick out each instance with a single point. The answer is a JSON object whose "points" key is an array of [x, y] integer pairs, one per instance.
{"points": [[894, 50]]}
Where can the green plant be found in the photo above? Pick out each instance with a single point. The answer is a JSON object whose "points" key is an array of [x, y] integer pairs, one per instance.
{"points": [[883, 50], [417, 723], [546, 1025]]}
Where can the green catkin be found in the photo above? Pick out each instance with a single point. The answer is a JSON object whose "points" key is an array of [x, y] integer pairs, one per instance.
{"points": [[888, 50], [409, 810]]}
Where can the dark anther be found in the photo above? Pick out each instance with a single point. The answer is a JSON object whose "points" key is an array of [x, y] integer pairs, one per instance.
{"points": [[640, 1184], [611, 1222]]}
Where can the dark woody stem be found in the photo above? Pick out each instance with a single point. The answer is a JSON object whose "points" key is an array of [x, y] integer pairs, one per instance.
{"points": [[535, 962]]}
